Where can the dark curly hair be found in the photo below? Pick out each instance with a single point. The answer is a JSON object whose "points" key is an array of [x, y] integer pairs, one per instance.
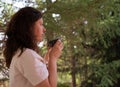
{"points": [[20, 33]]}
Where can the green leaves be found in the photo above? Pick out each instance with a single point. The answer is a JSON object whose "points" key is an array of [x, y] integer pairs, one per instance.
{"points": [[91, 35], [108, 73]]}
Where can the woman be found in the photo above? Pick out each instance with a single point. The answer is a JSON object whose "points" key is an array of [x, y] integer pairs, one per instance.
{"points": [[27, 68]]}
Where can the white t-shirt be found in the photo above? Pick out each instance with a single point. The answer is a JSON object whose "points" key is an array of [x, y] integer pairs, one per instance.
{"points": [[27, 70]]}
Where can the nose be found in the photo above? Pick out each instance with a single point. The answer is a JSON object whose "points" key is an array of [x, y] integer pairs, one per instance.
{"points": [[44, 29]]}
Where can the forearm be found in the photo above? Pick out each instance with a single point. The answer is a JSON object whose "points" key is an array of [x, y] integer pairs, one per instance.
{"points": [[52, 68], [54, 54]]}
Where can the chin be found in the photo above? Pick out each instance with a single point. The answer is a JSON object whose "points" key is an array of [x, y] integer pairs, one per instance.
{"points": [[40, 40]]}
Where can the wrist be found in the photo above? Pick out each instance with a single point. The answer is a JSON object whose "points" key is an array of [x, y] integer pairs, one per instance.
{"points": [[53, 59]]}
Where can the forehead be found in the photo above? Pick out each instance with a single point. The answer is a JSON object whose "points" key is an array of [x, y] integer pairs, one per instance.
{"points": [[40, 20]]}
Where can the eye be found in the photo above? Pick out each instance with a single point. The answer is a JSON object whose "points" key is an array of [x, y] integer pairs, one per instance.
{"points": [[41, 24]]}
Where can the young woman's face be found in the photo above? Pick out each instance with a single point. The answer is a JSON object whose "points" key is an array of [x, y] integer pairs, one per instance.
{"points": [[39, 30]]}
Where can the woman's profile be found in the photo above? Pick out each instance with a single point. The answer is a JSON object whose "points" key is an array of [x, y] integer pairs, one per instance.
{"points": [[26, 67]]}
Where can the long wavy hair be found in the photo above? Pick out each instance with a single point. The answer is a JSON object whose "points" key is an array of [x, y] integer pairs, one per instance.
{"points": [[20, 33]]}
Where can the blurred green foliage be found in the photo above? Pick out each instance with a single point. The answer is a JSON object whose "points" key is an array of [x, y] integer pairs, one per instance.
{"points": [[90, 31]]}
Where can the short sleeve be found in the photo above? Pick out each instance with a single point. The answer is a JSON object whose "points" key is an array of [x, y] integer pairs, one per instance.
{"points": [[33, 68]]}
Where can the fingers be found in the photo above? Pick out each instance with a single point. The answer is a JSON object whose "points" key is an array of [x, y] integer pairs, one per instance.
{"points": [[49, 49], [56, 49], [60, 44]]}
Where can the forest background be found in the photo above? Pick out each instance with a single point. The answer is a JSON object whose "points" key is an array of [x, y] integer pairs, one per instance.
{"points": [[90, 31]]}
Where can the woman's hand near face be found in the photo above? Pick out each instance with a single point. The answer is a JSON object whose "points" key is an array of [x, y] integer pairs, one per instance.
{"points": [[56, 50]]}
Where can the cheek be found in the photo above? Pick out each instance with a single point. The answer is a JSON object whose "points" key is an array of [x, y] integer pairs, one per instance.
{"points": [[38, 31]]}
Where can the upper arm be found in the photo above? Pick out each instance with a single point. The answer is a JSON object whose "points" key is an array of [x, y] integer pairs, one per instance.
{"points": [[33, 69], [44, 83]]}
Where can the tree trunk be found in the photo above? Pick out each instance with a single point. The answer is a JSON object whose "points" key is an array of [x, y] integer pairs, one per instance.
{"points": [[73, 73], [86, 69]]}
